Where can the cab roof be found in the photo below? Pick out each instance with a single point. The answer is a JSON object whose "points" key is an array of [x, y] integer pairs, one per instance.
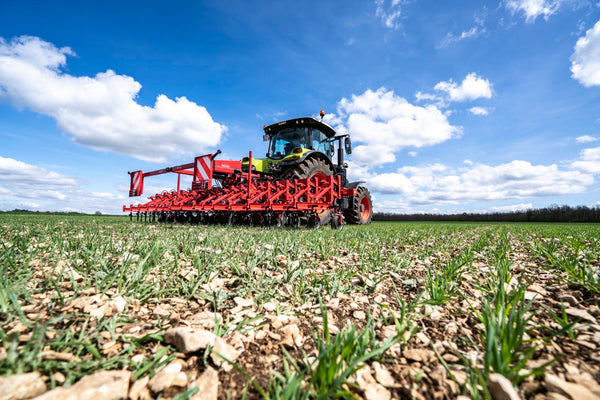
{"points": [[305, 121]]}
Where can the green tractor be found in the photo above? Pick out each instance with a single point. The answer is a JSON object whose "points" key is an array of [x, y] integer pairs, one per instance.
{"points": [[305, 147]]}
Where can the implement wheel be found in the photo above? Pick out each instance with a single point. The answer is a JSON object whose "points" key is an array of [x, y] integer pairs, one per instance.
{"points": [[309, 168], [361, 210]]}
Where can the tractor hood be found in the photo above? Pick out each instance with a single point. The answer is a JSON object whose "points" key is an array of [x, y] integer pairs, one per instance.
{"points": [[306, 121]]}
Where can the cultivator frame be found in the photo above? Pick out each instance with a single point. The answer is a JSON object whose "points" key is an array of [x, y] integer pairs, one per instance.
{"points": [[240, 197]]}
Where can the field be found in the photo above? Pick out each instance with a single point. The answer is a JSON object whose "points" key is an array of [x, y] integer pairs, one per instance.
{"points": [[390, 310]]}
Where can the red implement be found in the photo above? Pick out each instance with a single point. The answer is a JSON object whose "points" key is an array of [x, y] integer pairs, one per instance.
{"points": [[221, 192]]}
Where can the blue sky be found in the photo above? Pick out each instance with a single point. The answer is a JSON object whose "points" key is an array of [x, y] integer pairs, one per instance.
{"points": [[452, 106]]}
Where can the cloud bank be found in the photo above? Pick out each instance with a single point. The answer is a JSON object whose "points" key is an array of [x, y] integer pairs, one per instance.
{"points": [[31, 187], [440, 184], [101, 112]]}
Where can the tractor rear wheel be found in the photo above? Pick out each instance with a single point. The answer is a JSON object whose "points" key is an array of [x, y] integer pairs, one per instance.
{"points": [[361, 210], [307, 169]]}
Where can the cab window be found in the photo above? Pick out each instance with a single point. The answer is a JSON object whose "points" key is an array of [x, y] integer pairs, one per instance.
{"points": [[320, 142], [286, 140]]}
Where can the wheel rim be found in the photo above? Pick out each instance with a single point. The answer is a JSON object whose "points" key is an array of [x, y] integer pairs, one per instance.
{"points": [[365, 208]]}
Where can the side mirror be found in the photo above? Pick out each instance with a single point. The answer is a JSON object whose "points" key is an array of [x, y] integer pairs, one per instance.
{"points": [[348, 146], [266, 138]]}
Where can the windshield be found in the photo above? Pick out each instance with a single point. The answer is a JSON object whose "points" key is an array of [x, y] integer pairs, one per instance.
{"points": [[287, 140]]}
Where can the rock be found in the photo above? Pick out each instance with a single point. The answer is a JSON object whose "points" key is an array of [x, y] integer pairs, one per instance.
{"points": [[436, 315], [570, 300], [584, 343], [359, 314], [422, 355], [243, 302], [451, 358], [161, 311], [59, 377], [501, 388], [208, 383], [582, 314], [55, 355], [291, 336], [571, 390], [531, 295], [139, 390], [388, 331], [451, 328], [587, 380], [138, 358], [97, 313], [167, 377], [371, 389], [423, 338], [23, 386], [223, 352], [537, 289], [118, 304], [382, 375], [189, 340], [459, 376], [281, 260], [70, 273], [103, 385], [206, 319]]}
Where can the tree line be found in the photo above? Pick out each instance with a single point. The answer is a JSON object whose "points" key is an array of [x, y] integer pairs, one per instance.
{"points": [[552, 213]]}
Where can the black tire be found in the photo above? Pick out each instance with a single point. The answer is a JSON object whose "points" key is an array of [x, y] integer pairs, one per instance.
{"points": [[361, 209], [307, 169]]}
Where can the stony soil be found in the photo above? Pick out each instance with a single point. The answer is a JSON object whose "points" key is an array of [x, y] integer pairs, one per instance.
{"points": [[184, 339]]}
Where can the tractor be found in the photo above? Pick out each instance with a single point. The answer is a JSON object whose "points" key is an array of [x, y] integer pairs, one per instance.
{"points": [[297, 183]]}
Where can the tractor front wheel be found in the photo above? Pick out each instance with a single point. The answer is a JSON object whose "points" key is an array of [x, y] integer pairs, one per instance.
{"points": [[361, 209]]}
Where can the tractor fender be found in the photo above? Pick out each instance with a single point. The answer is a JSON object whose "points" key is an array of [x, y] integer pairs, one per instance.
{"points": [[355, 185]]}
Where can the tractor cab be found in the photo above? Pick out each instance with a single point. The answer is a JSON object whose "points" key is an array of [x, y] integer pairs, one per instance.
{"points": [[297, 139], [291, 142]]}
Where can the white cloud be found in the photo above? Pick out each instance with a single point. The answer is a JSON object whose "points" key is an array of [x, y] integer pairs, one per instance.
{"points": [[440, 184], [101, 111], [512, 208], [420, 96], [471, 88], [589, 161], [383, 123], [468, 34], [534, 8], [389, 12], [32, 182], [28, 186], [585, 139], [479, 111], [585, 61]]}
